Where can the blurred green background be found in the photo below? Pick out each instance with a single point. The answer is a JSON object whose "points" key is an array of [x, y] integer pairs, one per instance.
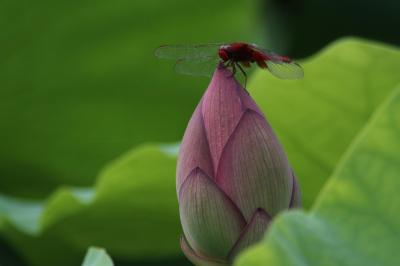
{"points": [[85, 110]]}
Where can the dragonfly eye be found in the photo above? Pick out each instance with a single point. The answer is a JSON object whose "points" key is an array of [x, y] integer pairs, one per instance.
{"points": [[223, 54]]}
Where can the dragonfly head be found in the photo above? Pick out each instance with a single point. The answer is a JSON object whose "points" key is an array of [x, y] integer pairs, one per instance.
{"points": [[223, 53]]}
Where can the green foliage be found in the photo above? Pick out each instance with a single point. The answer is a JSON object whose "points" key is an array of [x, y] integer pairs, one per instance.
{"points": [[132, 208], [355, 220], [348, 123], [317, 118], [79, 84], [97, 257], [132, 211]]}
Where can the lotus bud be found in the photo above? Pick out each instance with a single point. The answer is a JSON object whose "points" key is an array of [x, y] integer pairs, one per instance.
{"points": [[232, 176]]}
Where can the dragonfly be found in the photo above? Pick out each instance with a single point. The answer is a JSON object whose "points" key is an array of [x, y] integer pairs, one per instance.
{"points": [[202, 59]]}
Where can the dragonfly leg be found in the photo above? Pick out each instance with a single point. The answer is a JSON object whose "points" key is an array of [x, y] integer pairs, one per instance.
{"points": [[225, 64], [232, 64], [244, 74]]}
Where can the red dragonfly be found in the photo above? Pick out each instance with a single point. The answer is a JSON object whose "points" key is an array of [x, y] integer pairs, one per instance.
{"points": [[201, 59]]}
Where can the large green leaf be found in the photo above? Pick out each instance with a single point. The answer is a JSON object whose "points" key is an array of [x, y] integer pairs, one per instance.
{"points": [[79, 84], [132, 211], [318, 117], [356, 219]]}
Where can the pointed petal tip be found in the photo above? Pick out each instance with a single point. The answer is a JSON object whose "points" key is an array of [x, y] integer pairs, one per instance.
{"points": [[194, 150], [222, 69], [211, 222], [260, 212], [252, 233], [221, 110], [253, 169], [224, 77], [195, 171], [247, 102], [295, 200]]}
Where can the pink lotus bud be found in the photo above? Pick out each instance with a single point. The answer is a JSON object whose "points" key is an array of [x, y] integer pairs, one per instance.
{"points": [[232, 175]]}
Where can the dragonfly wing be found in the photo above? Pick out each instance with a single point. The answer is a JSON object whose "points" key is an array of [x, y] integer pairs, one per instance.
{"points": [[268, 53], [272, 55], [187, 51], [284, 70], [201, 67]]}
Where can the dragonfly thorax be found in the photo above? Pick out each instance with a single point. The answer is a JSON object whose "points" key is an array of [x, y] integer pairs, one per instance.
{"points": [[236, 52]]}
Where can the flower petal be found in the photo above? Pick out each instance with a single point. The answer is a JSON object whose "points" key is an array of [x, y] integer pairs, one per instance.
{"points": [[211, 222], [222, 109], [248, 102], [254, 171], [194, 151], [252, 233], [198, 259], [295, 201]]}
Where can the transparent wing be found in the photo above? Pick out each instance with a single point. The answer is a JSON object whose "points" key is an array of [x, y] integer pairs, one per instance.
{"points": [[201, 67], [270, 55], [285, 70], [194, 52]]}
